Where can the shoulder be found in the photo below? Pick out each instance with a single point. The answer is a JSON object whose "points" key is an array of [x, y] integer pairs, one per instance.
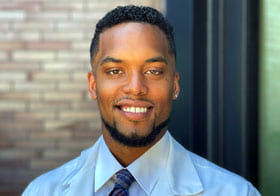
{"points": [[52, 180], [56, 180], [215, 180]]}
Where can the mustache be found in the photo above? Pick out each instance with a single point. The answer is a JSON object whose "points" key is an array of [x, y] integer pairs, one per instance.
{"points": [[115, 102]]}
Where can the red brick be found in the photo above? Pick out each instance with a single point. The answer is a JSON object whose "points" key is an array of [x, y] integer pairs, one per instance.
{"points": [[11, 45], [18, 176], [63, 66], [73, 26], [86, 134], [63, 35], [12, 105], [75, 145], [12, 75], [48, 76], [48, 45], [35, 86], [34, 144], [33, 56], [26, 5], [60, 154], [87, 16], [81, 77], [29, 35], [10, 193], [19, 66], [8, 15], [5, 86], [5, 144], [4, 56], [49, 15], [85, 105], [62, 96], [34, 115], [82, 45], [33, 26], [5, 26], [58, 134], [60, 124], [20, 96], [49, 105], [19, 154], [45, 164], [78, 115], [20, 125], [62, 6], [73, 55], [12, 134], [8, 35], [70, 86]]}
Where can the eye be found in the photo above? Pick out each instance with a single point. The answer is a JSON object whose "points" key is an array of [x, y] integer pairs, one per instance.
{"points": [[154, 72], [114, 72]]}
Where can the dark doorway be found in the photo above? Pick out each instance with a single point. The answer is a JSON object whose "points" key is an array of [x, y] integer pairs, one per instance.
{"points": [[216, 113]]}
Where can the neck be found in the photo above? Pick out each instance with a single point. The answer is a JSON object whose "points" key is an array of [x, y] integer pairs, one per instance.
{"points": [[127, 154]]}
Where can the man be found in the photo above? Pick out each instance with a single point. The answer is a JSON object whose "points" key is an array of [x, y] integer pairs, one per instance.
{"points": [[134, 81]]}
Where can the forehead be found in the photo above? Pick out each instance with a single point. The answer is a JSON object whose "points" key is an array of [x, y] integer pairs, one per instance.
{"points": [[133, 39]]}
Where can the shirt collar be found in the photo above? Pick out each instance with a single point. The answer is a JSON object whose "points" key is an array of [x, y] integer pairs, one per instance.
{"points": [[106, 165], [146, 169]]}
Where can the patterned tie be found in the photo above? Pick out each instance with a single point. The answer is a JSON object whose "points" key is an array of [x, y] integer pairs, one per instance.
{"points": [[123, 182]]}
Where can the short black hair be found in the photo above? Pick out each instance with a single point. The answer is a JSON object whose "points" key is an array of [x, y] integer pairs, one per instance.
{"points": [[132, 13]]}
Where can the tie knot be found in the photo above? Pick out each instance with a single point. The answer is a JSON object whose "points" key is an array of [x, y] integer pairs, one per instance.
{"points": [[124, 179]]}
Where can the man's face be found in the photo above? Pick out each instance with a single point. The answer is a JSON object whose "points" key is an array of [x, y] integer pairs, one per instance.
{"points": [[133, 79]]}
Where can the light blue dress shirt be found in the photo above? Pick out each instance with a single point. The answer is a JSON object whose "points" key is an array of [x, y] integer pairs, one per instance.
{"points": [[166, 169], [146, 169]]}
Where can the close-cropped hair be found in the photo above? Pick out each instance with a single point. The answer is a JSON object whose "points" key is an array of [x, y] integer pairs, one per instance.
{"points": [[132, 13]]}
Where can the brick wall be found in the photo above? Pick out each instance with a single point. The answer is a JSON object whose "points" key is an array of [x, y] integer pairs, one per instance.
{"points": [[46, 116]]}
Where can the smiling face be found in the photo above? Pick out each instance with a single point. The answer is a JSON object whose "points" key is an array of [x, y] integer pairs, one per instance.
{"points": [[134, 82]]}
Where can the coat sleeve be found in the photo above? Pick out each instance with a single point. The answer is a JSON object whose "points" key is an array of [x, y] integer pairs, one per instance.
{"points": [[253, 192]]}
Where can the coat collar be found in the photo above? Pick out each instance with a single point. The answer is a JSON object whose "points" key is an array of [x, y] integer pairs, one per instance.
{"points": [[180, 176], [77, 183], [181, 172]]}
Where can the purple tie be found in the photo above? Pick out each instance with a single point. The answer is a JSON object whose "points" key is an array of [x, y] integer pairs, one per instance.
{"points": [[123, 181]]}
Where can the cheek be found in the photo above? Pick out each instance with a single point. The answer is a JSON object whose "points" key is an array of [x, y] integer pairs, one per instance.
{"points": [[163, 96], [105, 95]]}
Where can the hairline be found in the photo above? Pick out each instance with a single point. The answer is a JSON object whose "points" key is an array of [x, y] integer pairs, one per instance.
{"points": [[96, 46]]}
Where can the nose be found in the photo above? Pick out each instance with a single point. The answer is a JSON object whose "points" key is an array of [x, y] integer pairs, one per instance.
{"points": [[135, 85]]}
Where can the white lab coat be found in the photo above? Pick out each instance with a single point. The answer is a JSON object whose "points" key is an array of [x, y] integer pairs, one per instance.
{"points": [[185, 174]]}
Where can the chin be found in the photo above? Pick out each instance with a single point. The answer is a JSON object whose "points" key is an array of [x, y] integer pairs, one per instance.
{"points": [[134, 139]]}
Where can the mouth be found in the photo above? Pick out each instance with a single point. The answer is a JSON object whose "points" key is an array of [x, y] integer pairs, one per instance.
{"points": [[134, 110]]}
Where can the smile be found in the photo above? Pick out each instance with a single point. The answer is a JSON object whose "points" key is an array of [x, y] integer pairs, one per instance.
{"points": [[135, 109]]}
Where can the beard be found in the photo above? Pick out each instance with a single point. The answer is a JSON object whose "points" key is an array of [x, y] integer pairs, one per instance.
{"points": [[135, 140]]}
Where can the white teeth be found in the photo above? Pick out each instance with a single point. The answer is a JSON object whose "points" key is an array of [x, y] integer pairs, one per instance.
{"points": [[135, 109]]}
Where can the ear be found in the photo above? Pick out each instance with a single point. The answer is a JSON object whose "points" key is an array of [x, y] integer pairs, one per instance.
{"points": [[176, 87], [92, 85]]}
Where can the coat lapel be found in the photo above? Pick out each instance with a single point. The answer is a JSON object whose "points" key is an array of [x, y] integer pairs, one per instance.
{"points": [[81, 181], [180, 177]]}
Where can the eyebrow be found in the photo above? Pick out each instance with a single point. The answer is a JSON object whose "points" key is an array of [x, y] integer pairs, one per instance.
{"points": [[157, 59], [109, 59]]}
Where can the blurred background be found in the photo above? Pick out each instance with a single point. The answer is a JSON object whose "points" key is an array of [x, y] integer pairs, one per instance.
{"points": [[228, 110]]}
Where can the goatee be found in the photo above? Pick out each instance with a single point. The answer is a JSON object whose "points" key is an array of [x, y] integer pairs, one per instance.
{"points": [[135, 140]]}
